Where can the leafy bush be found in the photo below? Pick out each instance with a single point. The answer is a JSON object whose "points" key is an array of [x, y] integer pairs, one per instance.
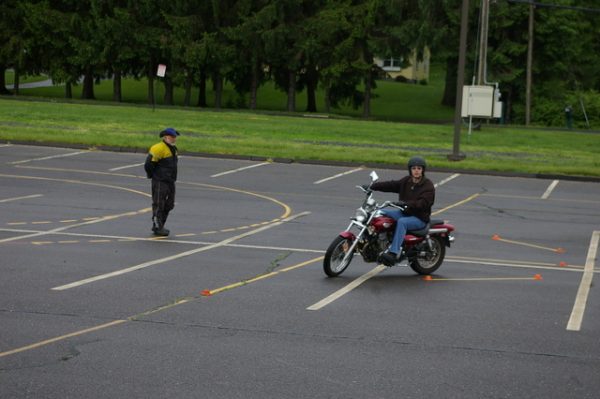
{"points": [[551, 111]]}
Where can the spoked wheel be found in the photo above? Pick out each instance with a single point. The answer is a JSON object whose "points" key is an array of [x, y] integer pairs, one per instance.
{"points": [[334, 263], [431, 260]]}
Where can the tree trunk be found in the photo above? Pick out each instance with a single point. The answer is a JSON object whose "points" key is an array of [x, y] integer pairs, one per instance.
{"points": [[218, 85], [291, 103], [449, 97], [188, 90], [202, 92], [16, 82], [150, 88], [367, 99], [327, 100], [117, 86], [3, 89], [68, 89], [87, 93], [311, 88], [168, 98], [254, 86]]}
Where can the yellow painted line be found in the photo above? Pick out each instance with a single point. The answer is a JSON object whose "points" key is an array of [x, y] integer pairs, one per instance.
{"points": [[94, 241], [185, 235], [42, 222], [137, 316], [472, 197], [498, 238], [62, 337], [16, 223], [259, 277], [41, 242], [209, 232], [286, 213], [69, 221], [68, 242], [93, 218]]}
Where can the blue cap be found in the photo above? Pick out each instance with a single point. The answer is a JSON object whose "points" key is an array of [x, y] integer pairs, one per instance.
{"points": [[169, 132]]}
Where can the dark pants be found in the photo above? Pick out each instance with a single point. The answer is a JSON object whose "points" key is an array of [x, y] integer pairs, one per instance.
{"points": [[163, 200]]}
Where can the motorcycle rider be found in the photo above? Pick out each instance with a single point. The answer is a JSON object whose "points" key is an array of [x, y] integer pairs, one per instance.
{"points": [[161, 167], [417, 194]]}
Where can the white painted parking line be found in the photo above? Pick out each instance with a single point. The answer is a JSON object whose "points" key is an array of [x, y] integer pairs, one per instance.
{"points": [[126, 167], [584, 287], [70, 154], [240, 169], [343, 291], [549, 189], [20, 198], [338, 175], [176, 256], [5, 145], [446, 180]]}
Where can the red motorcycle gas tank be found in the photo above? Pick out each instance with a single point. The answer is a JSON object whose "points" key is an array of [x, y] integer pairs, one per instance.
{"points": [[383, 223]]}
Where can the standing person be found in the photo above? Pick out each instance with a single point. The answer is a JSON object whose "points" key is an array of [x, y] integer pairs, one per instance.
{"points": [[418, 194], [161, 167]]}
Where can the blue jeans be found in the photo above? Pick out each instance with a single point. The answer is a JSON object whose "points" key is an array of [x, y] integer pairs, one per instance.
{"points": [[403, 223]]}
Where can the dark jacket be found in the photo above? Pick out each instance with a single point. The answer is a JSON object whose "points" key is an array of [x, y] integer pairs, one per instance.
{"points": [[418, 197], [161, 162]]}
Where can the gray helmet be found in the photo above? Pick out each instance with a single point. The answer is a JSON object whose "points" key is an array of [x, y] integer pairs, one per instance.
{"points": [[417, 161]]}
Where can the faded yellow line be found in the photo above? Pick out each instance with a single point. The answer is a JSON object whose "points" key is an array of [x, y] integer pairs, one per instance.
{"points": [[259, 277], [496, 237], [62, 337], [472, 197], [178, 302]]}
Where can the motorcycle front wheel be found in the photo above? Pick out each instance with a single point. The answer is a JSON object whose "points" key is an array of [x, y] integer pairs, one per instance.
{"points": [[334, 264], [429, 261]]}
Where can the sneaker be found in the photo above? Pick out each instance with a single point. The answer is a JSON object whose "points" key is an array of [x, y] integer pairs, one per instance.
{"points": [[162, 232], [388, 258]]}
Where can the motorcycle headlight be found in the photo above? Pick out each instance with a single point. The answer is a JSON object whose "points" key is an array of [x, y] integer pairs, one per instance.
{"points": [[360, 215]]}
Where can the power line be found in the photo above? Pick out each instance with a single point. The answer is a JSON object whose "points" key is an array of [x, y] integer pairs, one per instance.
{"points": [[546, 5]]}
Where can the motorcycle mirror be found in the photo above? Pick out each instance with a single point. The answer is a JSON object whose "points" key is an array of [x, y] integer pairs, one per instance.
{"points": [[374, 176]]}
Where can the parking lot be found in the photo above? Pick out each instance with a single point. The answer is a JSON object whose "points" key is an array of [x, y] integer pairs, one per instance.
{"points": [[92, 305]]}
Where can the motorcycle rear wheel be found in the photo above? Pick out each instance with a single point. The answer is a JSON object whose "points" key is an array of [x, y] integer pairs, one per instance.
{"points": [[333, 263], [432, 259]]}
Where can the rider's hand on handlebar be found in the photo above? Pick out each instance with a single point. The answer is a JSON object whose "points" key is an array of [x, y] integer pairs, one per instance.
{"points": [[365, 187], [400, 204]]}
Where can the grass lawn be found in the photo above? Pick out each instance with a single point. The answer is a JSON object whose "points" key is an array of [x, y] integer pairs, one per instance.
{"points": [[393, 101], [299, 138]]}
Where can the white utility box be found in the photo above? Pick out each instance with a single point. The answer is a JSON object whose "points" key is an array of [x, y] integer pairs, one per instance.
{"points": [[481, 102]]}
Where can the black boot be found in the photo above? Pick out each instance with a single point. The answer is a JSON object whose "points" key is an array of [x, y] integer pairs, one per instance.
{"points": [[388, 258]]}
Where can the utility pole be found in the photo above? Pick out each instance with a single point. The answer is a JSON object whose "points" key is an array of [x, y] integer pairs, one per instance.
{"points": [[529, 65], [483, 42], [460, 80]]}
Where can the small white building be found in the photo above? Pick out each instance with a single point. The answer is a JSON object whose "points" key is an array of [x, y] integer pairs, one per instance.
{"points": [[415, 70]]}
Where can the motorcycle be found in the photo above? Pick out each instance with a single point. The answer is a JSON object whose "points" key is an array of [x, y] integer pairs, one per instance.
{"points": [[423, 249]]}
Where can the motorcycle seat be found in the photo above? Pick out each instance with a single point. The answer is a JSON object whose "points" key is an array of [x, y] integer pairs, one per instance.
{"points": [[423, 232]]}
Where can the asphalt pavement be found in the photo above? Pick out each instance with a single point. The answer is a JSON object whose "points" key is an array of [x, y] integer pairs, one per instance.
{"points": [[93, 306]]}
